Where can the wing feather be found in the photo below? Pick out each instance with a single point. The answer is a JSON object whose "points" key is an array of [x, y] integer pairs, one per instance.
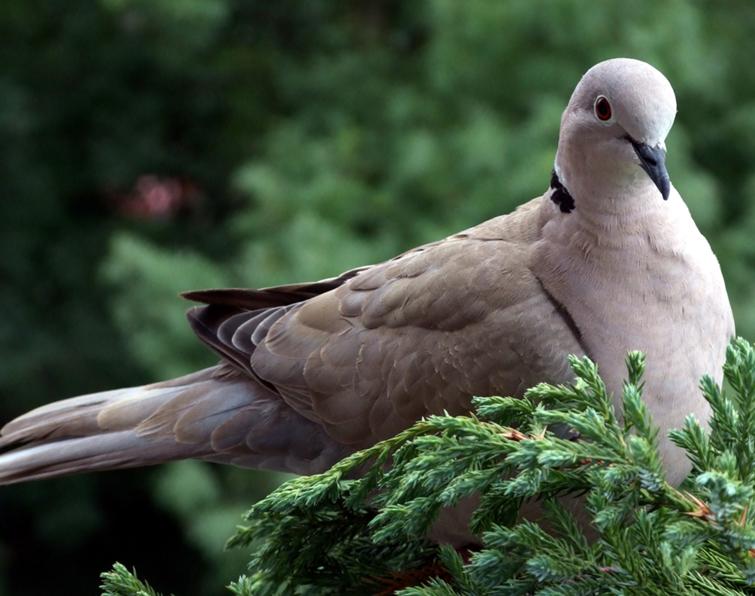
{"points": [[367, 353]]}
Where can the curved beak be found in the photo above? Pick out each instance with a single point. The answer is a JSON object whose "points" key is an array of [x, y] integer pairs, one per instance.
{"points": [[653, 161]]}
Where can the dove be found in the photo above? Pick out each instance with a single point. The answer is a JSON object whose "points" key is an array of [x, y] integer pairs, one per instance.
{"points": [[607, 260]]}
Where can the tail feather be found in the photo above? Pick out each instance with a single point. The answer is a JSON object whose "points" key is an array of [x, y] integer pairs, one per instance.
{"points": [[206, 415], [94, 413], [105, 430], [122, 449]]}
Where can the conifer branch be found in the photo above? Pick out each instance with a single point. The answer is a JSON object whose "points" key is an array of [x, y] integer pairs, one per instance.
{"points": [[122, 582]]}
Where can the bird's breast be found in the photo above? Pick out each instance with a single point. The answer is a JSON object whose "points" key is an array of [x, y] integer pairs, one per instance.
{"points": [[662, 295]]}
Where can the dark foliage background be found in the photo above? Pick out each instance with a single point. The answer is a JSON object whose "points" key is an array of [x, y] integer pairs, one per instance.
{"points": [[150, 146]]}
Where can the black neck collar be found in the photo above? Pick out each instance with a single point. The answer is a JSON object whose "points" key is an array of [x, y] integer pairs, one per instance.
{"points": [[560, 195]]}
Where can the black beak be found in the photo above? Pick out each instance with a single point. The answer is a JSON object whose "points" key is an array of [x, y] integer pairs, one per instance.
{"points": [[653, 161]]}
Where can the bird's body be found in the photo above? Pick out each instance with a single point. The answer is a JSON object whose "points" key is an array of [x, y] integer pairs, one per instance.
{"points": [[312, 372]]}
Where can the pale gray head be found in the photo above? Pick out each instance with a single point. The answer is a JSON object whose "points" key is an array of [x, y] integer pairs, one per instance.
{"points": [[612, 139]]}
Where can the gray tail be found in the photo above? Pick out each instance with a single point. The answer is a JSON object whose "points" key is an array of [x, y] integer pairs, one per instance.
{"points": [[112, 429], [212, 414]]}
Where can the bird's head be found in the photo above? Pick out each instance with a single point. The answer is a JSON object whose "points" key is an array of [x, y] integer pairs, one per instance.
{"points": [[613, 132]]}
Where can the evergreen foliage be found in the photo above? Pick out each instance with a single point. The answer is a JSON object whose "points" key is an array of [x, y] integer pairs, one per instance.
{"points": [[608, 521], [121, 582]]}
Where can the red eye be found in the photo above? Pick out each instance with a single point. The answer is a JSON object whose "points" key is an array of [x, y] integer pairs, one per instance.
{"points": [[602, 109]]}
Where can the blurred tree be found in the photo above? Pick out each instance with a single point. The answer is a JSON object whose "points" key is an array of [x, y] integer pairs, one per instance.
{"points": [[154, 146]]}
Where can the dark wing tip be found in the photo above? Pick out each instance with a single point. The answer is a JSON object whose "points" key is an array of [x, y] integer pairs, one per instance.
{"points": [[246, 299], [204, 296]]}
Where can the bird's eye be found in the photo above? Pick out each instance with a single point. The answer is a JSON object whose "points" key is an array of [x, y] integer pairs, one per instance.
{"points": [[602, 109]]}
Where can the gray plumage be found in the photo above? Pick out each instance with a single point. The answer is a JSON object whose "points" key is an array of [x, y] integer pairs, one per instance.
{"points": [[312, 372]]}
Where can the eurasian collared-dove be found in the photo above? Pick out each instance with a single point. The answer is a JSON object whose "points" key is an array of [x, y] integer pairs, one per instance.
{"points": [[607, 260]]}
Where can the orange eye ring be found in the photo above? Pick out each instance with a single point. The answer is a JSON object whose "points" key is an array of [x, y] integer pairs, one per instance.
{"points": [[603, 111]]}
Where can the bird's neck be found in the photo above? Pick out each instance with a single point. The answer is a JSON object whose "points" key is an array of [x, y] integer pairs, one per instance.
{"points": [[619, 228], [605, 188]]}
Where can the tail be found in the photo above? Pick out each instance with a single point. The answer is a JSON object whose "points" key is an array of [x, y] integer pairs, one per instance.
{"points": [[204, 415], [112, 429]]}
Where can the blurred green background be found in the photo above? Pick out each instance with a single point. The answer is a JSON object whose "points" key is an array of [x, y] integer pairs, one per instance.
{"points": [[151, 146]]}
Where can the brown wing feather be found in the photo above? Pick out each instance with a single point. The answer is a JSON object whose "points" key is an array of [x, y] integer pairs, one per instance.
{"points": [[367, 353], [229, 309], [416, 337]]}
